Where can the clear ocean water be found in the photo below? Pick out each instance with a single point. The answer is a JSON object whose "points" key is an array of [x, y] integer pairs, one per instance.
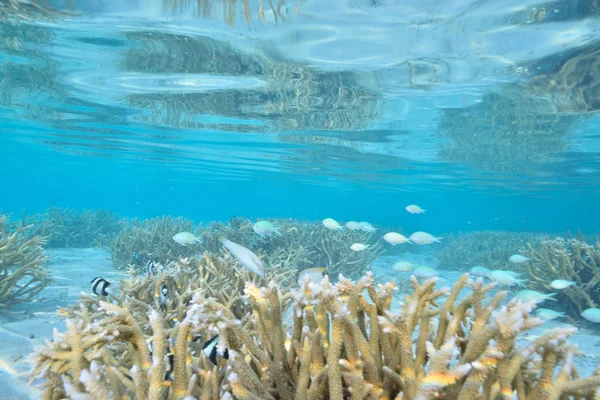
{"points": [[484, 113]]}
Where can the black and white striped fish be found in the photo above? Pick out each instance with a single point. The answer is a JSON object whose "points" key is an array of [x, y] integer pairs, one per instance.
{"points": [[210, 350], [150, 268], [99, 286], [163, 295]]}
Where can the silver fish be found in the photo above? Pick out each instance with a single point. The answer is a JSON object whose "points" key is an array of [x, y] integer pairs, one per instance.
{"points": [[246, 257]]}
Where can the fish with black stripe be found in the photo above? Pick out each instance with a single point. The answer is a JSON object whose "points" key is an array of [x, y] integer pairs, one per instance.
{"points": [[100, 286], [150, 268], [210, 350]]}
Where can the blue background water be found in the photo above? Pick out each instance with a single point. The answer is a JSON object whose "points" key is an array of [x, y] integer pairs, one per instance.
{"points": [[93, 154]]}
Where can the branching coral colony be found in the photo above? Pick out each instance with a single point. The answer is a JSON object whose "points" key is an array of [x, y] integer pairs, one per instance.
{"points": [[22, 271], [344, 343], [299, 244], [569, 259]]}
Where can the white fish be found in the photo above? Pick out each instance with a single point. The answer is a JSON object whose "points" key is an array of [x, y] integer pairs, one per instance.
{"points": [[424, 272], [315, 275], [265, 228], [246, 257], [505, 278], [561, 284], [547, 314], [424, 238], [367, 227], [591, 314], [186, 238], [414, 209], [359, 247], [394, 238], [331, 223], [480, 272], [527, 295], [353, 225], [403, 266], [518, 259]]}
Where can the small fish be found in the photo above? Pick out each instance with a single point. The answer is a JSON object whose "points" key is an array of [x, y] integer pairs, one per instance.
{"points": [[331, 223], [367, 227], [358, 247], [315, 275], [518, 259], [505, 278], [246, 257], [403, 266], [424, 272], [186, 238], [424, 238], [591, 314], [527, 295], [99, 286], [395, 238], [150, 268], [265, 229], [479, 271], [210, 350], [561, 284], [353, 225], [547, 314], [414, 209], [163, 295]]}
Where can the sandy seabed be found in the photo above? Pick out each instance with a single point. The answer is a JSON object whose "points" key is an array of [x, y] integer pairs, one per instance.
{"points": [[24, 326]]}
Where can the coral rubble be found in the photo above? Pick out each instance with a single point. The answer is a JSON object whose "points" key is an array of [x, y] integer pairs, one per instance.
{"points": [[569, 259], [22, 259], [345, 342]]}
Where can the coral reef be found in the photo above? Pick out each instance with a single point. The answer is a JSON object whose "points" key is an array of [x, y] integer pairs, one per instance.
{"points": [[150, 239], [342, 344], [572, 260], [490, 249], [70, 228], [22, 259], [299, 244], [303, 244]]}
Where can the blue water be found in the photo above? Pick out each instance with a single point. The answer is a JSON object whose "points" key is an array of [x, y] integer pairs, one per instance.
{"points": [[352, 112]]}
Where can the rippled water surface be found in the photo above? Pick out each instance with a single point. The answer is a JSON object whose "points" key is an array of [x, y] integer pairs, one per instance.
{"points": [[422, 97]]}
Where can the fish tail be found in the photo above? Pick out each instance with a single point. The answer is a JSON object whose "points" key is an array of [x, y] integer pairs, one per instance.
{"points": [[438, 239]]}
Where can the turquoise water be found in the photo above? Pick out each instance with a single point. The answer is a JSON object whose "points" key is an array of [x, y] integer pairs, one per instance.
{"points": [[484, 114]]}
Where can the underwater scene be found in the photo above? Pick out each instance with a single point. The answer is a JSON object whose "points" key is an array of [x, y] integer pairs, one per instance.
{"points": [[299, 199]]}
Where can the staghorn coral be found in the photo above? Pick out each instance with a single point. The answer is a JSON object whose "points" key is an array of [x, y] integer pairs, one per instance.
{"points": [[70, 228], [570, 259], [140, 241], [303, 244], [490, 249], [342, 344], [22, 259], [299, 245]]}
